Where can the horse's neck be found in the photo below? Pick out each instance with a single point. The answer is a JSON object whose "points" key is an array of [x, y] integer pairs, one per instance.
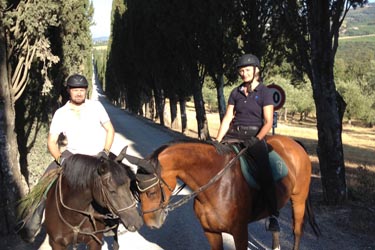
{"points": [[77, 199], [195, 166]]}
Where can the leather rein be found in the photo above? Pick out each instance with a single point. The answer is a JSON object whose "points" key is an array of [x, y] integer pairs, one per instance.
{"points": [[171, 206], [89, 213]]}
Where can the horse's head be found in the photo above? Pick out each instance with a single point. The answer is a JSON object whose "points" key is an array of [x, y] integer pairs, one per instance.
{"points": [[115, 193], [154, 192]]}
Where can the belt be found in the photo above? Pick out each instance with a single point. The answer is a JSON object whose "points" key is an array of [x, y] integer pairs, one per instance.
{"points": [[245, 128]]}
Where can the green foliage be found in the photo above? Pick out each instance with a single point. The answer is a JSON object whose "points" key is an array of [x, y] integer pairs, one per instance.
{"points": [[355, 77], [298, 99], [360, 103], [76, 19], [28, 24], [100, 59]]}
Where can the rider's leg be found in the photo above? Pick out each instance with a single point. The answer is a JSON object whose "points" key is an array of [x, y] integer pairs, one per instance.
{"points": [[259, 153], [29, 227]]}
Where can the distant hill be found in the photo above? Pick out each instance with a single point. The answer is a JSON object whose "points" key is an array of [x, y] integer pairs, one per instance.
{"points": [[359, 21], [100, 39]]}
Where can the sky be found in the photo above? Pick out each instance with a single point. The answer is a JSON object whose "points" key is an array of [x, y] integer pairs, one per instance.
{"points": [[102, 18]]}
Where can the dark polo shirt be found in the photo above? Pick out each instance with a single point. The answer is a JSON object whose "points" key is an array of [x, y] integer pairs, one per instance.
{"points": [[249, 109]]}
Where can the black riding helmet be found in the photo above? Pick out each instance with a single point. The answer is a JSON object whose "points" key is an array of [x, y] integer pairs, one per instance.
{"points": [[77, 81], [248, 60]]}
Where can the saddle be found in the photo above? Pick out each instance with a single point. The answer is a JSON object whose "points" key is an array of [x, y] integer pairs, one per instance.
{"points": [[249, 167]]}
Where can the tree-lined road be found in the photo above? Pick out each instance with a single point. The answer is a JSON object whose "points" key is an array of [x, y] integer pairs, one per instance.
{"points": [[182, 230]]}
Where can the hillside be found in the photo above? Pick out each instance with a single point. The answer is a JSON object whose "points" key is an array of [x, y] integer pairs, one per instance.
{"points": [[359, 21]]}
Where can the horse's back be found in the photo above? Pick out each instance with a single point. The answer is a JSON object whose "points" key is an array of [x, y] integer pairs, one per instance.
{"points": [[296, 159]]}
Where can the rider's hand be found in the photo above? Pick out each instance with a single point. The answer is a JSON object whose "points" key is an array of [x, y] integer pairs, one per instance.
{"points": [[104, 153], [251, 141]]}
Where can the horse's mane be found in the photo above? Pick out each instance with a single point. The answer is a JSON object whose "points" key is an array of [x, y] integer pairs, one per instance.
{"points": [[220, 148], [81, 170]]}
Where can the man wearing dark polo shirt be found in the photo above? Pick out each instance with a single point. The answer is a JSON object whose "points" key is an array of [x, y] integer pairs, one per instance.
{"points": [[249, 118]]}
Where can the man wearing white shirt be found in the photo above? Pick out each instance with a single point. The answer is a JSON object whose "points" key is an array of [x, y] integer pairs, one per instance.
{"points": [[87, 129]]}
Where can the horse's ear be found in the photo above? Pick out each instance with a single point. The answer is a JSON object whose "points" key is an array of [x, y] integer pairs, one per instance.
{"points": [[103, 168], [141, 163], [122, 154]]}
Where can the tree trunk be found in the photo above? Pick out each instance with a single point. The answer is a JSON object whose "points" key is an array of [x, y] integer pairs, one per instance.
{"points": [[12, 183], [203, 133], [160, 103], [220, 96], [173, 109], [150, 105], [183, 115], [329, 108]]}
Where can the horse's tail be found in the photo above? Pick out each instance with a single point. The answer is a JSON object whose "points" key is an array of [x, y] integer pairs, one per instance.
{"points": [[309, 210], [311, 217], [30, 202]]}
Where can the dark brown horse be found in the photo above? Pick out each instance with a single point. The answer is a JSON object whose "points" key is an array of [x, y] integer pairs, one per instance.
{"points": [[224, 201], [85, 186]]}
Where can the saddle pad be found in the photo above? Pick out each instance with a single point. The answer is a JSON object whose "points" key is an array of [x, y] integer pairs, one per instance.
{"points": [[278, 167]]}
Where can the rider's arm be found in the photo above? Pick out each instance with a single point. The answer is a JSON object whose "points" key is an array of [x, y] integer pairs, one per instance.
{"points": [[109, 135], [53, 147], [225, 123], [267, 121]]}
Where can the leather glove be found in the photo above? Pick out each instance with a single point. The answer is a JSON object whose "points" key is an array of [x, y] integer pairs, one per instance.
{"points": [[251, 141], [104, 153], [60, 160]]}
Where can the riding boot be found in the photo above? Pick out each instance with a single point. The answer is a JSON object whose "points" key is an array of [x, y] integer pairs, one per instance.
{"points": [[259, 153], [29, 227]]}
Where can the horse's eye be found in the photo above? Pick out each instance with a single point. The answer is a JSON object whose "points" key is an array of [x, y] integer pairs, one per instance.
{"points": [[151, 193]]}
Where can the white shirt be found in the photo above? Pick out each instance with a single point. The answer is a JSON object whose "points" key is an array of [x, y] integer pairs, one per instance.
{"points": [[82, 126]]}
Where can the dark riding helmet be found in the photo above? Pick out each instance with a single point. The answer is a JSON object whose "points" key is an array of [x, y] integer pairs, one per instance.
{"points": [[248, 60], [77, 81]]}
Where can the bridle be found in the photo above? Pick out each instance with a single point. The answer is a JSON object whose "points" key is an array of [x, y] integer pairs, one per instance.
{"points": [[90, 213], [160, 182], [108, 203], [167, 206]]}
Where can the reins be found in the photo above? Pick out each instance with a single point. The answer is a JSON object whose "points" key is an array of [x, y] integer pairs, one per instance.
{"points": [[171, 207]]}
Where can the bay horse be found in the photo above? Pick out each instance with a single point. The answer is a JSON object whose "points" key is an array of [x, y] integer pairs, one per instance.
{"points": [[223, 200], [85, 186]]}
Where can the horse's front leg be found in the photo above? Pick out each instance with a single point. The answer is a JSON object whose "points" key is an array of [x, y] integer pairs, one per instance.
{"points": [[240, 236], [215, 240]]}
